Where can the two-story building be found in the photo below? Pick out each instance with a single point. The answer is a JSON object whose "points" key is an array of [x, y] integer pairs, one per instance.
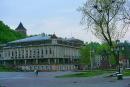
{"points": [[42, 52]]}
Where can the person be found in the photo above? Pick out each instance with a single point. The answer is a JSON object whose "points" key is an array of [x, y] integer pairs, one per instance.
{"points": [[36, 72]]}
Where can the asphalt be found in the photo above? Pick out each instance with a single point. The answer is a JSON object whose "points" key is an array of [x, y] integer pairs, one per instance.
{"points": [[47, 79]]}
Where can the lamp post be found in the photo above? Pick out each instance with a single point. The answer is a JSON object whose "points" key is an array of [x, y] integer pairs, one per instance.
{"points": [[118, 49], [118, 54]]}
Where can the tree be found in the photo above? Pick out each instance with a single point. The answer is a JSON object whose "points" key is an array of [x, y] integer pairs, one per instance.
{"points": [[105, 19], [7, 34], [85, 52], [85, 55], [104, 49], [126, 51], [96, 49]]}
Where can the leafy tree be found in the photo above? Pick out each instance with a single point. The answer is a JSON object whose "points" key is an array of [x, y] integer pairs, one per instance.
{"points": [[85, 55], [104, 49], [126, 51], [96, 49], [85, 52], [7, 34]]}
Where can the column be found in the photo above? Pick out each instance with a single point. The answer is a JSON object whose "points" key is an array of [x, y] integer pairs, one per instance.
{"points": [[63, 60], [68, 60], [14, 62], [71, 60], [55, 61], [49, 61], [4, 62], [58, 61], [25, 62], [127, 63], [36, 61]]}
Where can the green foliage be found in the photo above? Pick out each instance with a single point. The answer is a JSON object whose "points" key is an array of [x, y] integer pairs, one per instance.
{"points": [[85, 52], [87, 73], [7, 69], [7, 34], [103, 50], [112, 59], [85, 55], [126, 50], [126, 73], [103, 47], [96, 49], [83, 74]]}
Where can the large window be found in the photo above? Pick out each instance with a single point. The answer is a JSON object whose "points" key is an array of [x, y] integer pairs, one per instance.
{"points": [[50, 51], [46, 51]]}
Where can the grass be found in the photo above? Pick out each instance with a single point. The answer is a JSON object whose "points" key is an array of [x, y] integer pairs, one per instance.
{"points": [[126, 73], [86, 74], [7, 69], [93, 73]]}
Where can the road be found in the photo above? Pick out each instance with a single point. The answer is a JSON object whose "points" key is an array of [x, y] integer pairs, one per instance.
{"points": [[47, 79]]}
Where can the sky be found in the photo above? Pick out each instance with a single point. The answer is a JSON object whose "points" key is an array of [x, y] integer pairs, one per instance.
{"points": [[49, 16]]}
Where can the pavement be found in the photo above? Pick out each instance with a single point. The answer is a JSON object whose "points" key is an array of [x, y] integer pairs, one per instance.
{"points": [[47, 79]]}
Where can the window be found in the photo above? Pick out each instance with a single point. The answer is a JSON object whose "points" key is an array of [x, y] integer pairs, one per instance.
{"points": [[8, 53], [34, 52], [12, 53], [50, 51], [30, 52], [42, 52], [46, 51]]}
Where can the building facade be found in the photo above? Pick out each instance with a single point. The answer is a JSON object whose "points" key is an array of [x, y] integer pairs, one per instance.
{"points": [[42, 52]]}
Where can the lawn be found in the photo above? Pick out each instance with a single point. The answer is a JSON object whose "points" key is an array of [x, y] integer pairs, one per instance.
{"points": [[87, 73], [7, 69], [126, 73], [93, 73]]}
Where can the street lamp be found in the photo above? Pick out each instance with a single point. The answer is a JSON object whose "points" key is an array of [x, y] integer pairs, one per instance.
{"points": [[118, 49]]}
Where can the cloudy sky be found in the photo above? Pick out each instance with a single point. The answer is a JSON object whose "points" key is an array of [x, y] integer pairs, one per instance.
{"points": [[48, 16]]}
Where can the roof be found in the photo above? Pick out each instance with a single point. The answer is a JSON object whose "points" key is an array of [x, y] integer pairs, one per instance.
{"points": [[46, 37], [33, 38], [20, 27], [73, 39]]}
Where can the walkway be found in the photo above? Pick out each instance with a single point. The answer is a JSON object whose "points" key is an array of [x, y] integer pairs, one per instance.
{"points": [[46, 79]]}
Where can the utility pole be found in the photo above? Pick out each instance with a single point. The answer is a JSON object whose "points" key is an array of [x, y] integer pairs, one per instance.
{"points": [[91, 60]]}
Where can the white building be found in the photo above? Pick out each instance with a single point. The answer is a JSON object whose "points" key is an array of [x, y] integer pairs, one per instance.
{"points": [[42, 52]]}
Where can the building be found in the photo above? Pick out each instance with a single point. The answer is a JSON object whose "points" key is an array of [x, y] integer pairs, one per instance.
{"points": [[21, 29], [124, 62], [42, 52]]}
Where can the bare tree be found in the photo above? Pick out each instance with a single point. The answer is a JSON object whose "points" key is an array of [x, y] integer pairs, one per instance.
{"points": [[108, 20], [105, 19], [126, 17]]}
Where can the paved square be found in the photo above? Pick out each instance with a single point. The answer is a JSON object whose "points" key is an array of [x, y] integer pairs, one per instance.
{"points": [[47, 79]]}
